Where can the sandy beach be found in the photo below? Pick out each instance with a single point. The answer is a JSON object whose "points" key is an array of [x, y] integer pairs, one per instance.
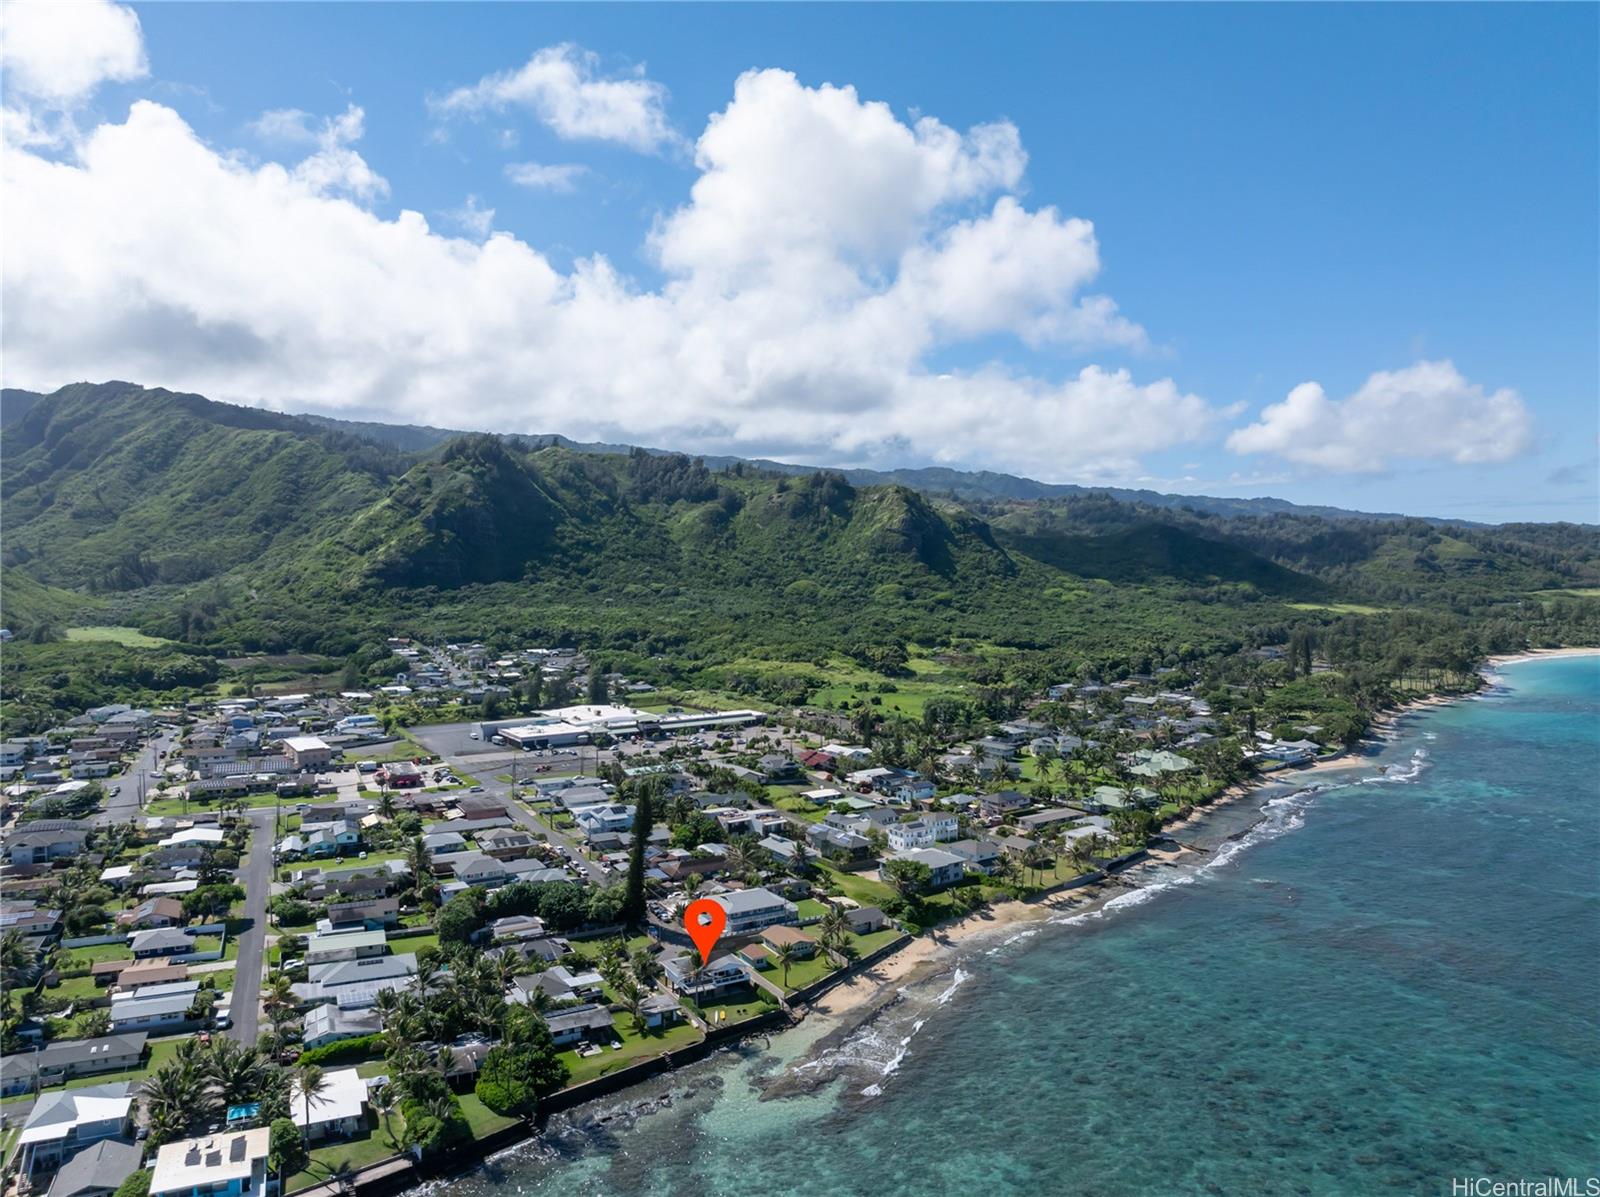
{"points": [[1538, 654]]}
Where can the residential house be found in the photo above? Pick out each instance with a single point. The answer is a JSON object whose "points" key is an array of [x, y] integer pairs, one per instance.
{"points": [[923, 831], [783, 850], [42, 840], [516, 927], [444, 843], [328, 946], [162, 941], [843, 846], [333, 839], [474, 868], [65, 1122], [68, 1059], [947, 868], [589, 1021], [804, 946], [723, 976], [659, 1010], [153, 970], [561, 983], [367, 913], [1002, 803], [328, 1023], [980, 855], [604, 818], [153, 912], [505, 843], [216, 1165], [339, 1110], [864, 920], [751, 910], [154, 1007], [97, 1171]]}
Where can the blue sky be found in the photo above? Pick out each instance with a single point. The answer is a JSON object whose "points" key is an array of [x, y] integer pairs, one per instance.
{"points": [[1350, 197]]}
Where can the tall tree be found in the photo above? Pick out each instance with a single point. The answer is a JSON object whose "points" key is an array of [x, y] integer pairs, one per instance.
{"points": [[643, 818]]}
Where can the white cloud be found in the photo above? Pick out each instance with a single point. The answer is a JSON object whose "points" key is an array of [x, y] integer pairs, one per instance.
{"points": [[334, 168], [540, 176], [472, 218], [57, 52], [809, 291], [1426, 411], [562, 86]]}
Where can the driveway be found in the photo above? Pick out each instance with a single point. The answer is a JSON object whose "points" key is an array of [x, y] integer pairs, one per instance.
{"points": [[256, 878]]}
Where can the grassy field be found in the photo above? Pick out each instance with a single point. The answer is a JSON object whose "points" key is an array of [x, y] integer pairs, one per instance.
{"points": [[127, 637], [351, 1154], [1339, 608], [631, 1047]]}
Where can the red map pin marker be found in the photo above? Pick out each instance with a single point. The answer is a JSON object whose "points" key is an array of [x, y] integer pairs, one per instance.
{"points": [[705, 921]]}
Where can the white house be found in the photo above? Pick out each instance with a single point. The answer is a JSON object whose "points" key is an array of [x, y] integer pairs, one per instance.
{"points": [[923, 831], [337, 1111]]}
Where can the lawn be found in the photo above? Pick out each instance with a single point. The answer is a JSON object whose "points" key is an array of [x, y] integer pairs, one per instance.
{"points": [[871, 942], [351, 1154], [96, 953], [127, 637], [337, 862], [76, 989], [802, 972], [411, 943], [853, 885], [633, 1047], [729, 1011], [811, 910], [481, 1118], [802, 808]]}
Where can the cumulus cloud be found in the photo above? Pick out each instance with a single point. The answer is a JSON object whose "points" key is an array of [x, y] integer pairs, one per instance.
{"points": [[1426, 411], [541, 176], [334, 168], [563, 87], [58, 53], [807, 293]]}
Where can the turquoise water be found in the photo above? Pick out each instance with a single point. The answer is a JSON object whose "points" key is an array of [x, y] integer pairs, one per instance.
{"points": [[1389, 982]]}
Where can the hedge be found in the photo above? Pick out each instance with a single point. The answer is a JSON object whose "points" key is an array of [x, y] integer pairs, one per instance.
{"points": [[343, 1051]]}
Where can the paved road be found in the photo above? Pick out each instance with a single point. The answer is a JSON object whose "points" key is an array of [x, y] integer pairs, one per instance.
{"points": [[124, 804], [521, 815], [257, 881]]}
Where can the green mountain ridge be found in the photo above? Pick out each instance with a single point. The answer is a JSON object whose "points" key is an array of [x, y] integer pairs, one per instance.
{"points": [[244, 530]]}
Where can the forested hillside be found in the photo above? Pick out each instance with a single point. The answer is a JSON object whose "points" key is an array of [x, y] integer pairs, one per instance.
{"points": [[228, 530]]}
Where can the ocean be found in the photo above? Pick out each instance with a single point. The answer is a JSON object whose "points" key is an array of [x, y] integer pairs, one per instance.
{"points": [[1369, 985]]}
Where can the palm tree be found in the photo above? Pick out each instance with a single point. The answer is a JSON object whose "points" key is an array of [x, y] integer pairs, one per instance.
{"points": [[235, 1069], [387, 809], [312, 1083], [631, 998], [172, 1095], [784, 956]]}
